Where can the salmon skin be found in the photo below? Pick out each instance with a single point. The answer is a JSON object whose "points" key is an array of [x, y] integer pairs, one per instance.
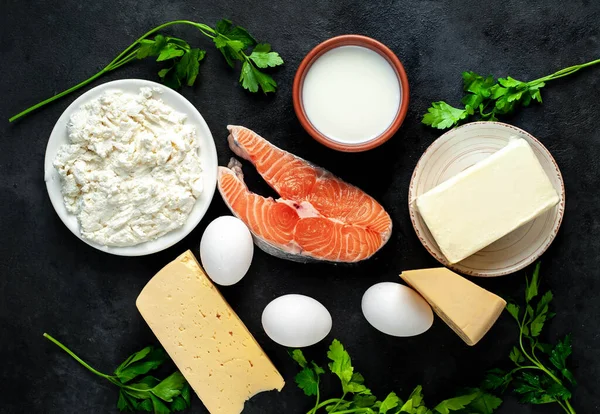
{"points": [[318, 217]]}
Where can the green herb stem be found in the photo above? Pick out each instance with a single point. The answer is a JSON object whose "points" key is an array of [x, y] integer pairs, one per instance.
{"points": [[148, 33], [354, 410], [128, 55], [522, 367], [120, 60], [569, 407], [76, 358], [318, 396], [115, 381], [533, 345], [539, 366], [566, 405], [339, 402], [362, 401], [564, 72], [57, 96], [324, 403], [125, 56], [131, 396], [498, 96]]}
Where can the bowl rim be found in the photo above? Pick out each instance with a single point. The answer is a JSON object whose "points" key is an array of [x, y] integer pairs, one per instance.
{"points": [[208, 153], [350, 40]]}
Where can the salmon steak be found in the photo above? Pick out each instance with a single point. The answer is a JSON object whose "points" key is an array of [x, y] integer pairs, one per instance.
{"points": [[318, 217]]}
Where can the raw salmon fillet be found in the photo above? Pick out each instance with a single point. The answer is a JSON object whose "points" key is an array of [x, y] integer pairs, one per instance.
{"points": [[317, 217]]}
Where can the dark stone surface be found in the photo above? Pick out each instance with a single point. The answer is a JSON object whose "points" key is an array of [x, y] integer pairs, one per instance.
{"points": [[52, 282]]}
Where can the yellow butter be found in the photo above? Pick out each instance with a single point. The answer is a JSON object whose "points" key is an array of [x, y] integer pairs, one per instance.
{"points": [[467, 308], [210, 345]]}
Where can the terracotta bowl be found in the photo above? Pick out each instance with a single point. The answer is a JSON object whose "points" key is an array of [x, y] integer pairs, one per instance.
{"points": [[350, 40]]}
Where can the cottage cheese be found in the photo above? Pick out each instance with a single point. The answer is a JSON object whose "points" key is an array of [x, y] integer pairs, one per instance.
{"points": [[131, 172]]}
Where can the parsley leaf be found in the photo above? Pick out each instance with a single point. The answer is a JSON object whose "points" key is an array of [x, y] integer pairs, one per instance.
{"points": [[455, 404], [233, 42], [170, 387], [474, 401], [356, 385], [158, 406], [308, 381], [124, 403], [141, 362], [225, 28], [558, 358], [497, 379], [516, 356], [483, 403], [251, 79], [391, 401], [135, 357], [308, 378], [531, 289], [149, 393], [340, 364], [541, 315], [182, 61], [536, 389], [534, 381], [170, 51], [441, 115], [514, 311], [477, 84], [263, 57], [298, 356], [415, 403], [487, 98], [364, 400]]}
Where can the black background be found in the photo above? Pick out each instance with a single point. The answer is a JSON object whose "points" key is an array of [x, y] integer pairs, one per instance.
{"points": [[52, 282]]}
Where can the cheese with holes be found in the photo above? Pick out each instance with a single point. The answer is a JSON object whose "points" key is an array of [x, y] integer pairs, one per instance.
{"points": [[487, 201], [210, 345], [467, 308]]}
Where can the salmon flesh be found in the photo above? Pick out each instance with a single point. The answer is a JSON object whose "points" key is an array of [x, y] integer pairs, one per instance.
{"points": [[318, 217]]}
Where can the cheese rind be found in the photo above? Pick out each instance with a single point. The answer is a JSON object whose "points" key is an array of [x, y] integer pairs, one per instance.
{"points": [[487, 201], [467, 308], [210, 345]]}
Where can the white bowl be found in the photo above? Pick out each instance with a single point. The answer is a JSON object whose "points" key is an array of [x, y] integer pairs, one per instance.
{"points": [[208, 157]]}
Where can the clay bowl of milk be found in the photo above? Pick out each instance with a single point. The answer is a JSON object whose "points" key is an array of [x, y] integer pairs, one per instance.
{"points": [[351, 93]]}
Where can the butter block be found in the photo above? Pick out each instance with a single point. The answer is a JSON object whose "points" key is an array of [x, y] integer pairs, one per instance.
{"points": [[487, 201], [467, 308], [210, 345]]}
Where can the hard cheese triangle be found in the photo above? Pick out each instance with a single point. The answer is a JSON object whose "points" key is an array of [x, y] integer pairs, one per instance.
{"points": [[210, 345], [468, 309]]}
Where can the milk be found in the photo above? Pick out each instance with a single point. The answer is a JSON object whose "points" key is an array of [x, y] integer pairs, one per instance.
{"points": [[351, 94]]}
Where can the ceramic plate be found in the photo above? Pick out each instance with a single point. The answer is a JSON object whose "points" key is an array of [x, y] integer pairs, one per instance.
{"points": [[208, 157], [457, 150]]}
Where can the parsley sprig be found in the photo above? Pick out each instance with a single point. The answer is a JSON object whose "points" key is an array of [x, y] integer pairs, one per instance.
{"points": [[183, 61], [357, 398], [488, 98], [535, 381], [146, 393]]}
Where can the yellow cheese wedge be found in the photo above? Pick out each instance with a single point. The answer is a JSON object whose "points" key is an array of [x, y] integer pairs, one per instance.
{"points": [[468, 309], [210, 345]]}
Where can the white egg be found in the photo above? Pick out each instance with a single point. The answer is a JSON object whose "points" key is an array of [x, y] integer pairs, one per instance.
{"points": [[226, 250], [396, 310], [296, 321]]}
